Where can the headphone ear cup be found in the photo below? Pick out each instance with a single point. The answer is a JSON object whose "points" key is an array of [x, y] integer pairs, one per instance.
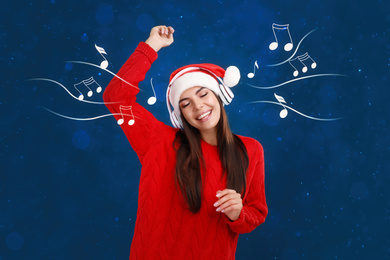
{"points": [[226, 94], [179, 123], [176, 121]]}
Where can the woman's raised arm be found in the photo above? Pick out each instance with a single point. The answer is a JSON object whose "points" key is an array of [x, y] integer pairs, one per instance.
{"points": [[141, 128]]}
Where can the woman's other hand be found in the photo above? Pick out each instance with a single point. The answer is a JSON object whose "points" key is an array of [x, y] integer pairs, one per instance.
{"points": [[230, 203], [160, 36]]}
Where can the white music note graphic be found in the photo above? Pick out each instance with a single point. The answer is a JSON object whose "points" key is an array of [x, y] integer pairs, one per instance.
{"points": [[152, 100], [305, 57], [274, 45], [103, 64], [87, 83], [302, 58], [122, 120], [251, 75], [281, 100], [295, 73]]}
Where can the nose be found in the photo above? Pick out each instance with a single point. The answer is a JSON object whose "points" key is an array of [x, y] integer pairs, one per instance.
{"points": [[198, 104]]}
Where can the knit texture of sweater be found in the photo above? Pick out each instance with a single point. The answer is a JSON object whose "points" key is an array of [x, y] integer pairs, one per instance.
{"points": [[165, 228]]}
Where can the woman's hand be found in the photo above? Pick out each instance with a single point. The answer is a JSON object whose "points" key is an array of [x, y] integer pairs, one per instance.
{"points": [[160, 36], [230, 203]]}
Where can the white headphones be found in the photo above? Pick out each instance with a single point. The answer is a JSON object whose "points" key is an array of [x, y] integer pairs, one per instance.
{"points": [[223, 91]]}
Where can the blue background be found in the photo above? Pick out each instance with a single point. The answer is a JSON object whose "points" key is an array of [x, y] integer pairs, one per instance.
{"points": [[68, 189]]}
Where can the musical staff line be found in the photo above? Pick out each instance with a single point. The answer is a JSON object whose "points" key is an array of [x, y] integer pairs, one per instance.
{"points": [[290, 81], [94, 65], [90, 102], [296, 111], [90, 118]]}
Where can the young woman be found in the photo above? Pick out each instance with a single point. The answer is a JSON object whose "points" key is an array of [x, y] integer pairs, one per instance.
{"points": [[200, 186]]}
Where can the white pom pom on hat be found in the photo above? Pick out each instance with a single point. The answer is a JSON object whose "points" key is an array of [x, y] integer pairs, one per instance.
{"points": [[232, 76]]}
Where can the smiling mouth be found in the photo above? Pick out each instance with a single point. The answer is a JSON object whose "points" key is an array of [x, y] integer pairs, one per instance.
{"points": [[204, 115]]}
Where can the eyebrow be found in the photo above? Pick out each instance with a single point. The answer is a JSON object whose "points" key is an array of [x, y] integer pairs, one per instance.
{"points": [[196, 93]]}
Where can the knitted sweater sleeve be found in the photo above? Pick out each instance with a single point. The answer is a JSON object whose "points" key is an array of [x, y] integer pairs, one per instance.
{"points": [[120, 99], [254, 209]]}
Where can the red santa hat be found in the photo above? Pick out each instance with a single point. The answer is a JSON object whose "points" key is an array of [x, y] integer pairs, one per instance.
{"points": [[206, 75]]}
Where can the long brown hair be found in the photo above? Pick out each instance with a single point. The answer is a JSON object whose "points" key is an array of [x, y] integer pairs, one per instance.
{"points": [[190, 161]]}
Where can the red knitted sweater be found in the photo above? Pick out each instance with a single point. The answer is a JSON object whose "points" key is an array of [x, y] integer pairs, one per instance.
{"points": [[165, 228]]}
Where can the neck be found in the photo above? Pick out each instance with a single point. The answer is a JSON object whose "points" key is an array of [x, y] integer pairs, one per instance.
{"points": [[210, 137]]}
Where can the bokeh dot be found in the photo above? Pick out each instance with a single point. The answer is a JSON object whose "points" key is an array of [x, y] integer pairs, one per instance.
{"points": [[81, 140], [84, 37], [68, 66], [15, 241]]}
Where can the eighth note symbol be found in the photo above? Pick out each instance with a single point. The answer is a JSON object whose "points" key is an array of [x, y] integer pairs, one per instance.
{"points": [[305, 57], [274, 45], [152, 100], [86, 83], [251, 75], [281, 100], [122, 120], [302, 58], [103, 64]]}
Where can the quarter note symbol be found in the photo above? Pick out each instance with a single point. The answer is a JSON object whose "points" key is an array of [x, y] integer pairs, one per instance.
{"points": [[281, 100], [152, 100], [122, 120], [305, 57], [87, 83], [251, 75], [103, 64], [274, 45]]}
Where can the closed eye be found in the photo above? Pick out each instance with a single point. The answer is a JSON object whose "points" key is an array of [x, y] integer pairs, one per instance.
{"points": [[185, 105], [204, 94]]}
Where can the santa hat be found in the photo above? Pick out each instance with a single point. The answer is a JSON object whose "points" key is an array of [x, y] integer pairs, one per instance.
{"points": [[206, 75]]}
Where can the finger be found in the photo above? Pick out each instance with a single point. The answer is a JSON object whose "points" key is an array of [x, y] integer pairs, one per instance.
{"points": [[228, 204], [224, 192], [228, 196], [231, 208], [171, 30], [228, 199], [160, 30]]}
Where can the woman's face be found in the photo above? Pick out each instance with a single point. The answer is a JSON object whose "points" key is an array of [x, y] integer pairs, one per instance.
{"points": [[201, 109]]}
